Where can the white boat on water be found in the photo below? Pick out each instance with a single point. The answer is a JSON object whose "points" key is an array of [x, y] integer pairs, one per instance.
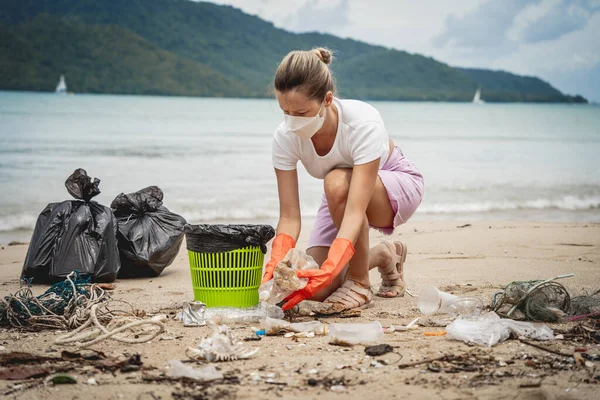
{"points": [[477, 97], [62, 86]]}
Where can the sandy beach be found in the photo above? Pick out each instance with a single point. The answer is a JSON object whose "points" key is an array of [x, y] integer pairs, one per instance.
{"points": [[475, 260]]}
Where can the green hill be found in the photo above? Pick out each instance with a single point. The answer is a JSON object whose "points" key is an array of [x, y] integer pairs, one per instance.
{"points": [[179, 47], [102, 59]]}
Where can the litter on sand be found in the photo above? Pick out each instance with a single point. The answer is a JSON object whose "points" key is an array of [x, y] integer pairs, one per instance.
{"points": [[177, 369], [196, 313], [220, 346], [352, 334], [536, 300], [285, 281], [490, 329]]}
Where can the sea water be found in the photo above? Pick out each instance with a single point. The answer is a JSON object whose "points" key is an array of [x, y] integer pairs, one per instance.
{"points": [[212, 157]]}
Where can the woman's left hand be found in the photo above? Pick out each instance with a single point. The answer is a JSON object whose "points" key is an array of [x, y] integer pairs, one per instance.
{"points": [[340, 253]]}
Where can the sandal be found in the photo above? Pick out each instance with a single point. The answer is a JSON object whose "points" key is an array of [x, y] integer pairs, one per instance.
{"points": [[392, 276], [350, 296]]}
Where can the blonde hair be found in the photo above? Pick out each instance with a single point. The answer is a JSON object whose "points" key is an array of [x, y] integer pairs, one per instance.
{"points": [[306, 71]]}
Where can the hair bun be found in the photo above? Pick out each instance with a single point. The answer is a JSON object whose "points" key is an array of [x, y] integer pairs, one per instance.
{"points": [[324, 55]]}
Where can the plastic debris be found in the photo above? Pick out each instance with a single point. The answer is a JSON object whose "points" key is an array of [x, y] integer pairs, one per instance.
{"points": [[537, 300], [433, 301], [442, 333], [351, 334], [193, 313], [490, 329], [198, 314], [275, 326], [411, 325], [220, 346], [206, 374], [285, 281]]}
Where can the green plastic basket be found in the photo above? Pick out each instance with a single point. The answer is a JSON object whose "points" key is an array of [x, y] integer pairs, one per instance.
{"points": [[229, 279]]}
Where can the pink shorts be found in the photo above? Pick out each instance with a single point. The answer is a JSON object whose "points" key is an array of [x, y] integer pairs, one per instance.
{"points": [[404, 185]]}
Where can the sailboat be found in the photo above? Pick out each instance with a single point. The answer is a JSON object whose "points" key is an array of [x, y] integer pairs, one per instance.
{"points": [[61, 88], [477, 97]]}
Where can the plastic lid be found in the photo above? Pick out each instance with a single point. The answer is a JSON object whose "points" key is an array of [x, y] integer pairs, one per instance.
{"points": [[466, 307]]}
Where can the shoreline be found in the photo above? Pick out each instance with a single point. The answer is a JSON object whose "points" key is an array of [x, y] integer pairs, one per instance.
{"points": [[475, 260], [269, 97]]}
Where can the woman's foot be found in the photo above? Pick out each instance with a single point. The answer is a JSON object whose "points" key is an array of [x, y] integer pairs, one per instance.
{"points": [[351, 295], [393, 257]]}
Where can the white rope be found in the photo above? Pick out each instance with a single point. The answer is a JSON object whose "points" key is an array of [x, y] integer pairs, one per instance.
{"points": [[80, 338]]}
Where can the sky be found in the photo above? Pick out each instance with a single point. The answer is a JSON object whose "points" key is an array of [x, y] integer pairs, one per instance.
{"points": [[556, 40]]}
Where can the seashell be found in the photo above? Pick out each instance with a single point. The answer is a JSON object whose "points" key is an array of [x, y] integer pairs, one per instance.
{"points": [[220, 346]]}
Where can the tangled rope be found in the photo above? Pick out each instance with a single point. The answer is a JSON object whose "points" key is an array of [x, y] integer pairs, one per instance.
{"points": [[80, 305], [62, 306], [99, 332]]}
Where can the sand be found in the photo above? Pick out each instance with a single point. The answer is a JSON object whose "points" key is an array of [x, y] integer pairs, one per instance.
{"points": [[475, 260]]}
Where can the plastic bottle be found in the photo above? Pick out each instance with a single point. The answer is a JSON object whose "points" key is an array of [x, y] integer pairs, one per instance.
{"points": [[351, 334], [273, 326], [251, 315]]}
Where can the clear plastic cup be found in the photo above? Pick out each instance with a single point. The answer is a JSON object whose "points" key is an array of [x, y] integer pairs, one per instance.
{"points": [[432, 300]]}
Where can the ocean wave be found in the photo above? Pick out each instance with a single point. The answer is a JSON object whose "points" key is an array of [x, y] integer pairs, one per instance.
{"points": [[17, 222], [237, 215], [243, 214], [567, 203]]}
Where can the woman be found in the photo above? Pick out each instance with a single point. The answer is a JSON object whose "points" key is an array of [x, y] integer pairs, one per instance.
{"points": [[367, 182]]}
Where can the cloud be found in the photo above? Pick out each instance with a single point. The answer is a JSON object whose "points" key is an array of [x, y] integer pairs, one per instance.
{"points": [[548, 20], [314, 16], [482, 27], [557, 40]]}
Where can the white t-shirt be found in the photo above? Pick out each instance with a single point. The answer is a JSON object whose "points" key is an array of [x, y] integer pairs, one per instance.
{"points": [[361, 138]]}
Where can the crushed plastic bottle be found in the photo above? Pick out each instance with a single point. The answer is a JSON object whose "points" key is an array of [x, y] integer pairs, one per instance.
{"points": [[273, 326], [232, 315], [197, 314]]}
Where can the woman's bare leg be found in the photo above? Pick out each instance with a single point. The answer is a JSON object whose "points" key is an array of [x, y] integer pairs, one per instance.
{"points": [[337, 185]]}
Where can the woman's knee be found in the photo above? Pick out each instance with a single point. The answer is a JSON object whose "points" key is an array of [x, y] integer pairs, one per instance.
{"points": [[337, 186]]}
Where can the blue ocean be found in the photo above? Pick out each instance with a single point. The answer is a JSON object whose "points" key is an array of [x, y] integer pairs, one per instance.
{"points": [[211, 157]]}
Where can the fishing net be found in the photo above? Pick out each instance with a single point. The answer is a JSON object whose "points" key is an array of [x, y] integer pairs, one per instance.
{"points": [[62, 306], [535, 300], [587, 306]]}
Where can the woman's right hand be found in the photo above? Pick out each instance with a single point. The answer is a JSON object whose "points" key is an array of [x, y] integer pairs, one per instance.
{"points": [[281, 245]]}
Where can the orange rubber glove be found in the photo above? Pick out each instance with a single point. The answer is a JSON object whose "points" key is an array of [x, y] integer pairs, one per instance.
{"points": [[281, 245], [340, 253]]}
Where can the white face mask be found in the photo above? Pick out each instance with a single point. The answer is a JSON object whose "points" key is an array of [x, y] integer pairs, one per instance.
{"points": [[305, 127]]}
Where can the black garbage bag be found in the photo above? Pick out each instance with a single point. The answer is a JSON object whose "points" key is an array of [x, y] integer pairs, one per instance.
{"points": [[223, 238], [74, 235], [149, 235]]}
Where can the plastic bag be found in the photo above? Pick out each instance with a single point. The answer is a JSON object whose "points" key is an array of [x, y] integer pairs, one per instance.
{"points": [[490, 329], [205, 374], [285, 281], [149, 235], [223, 238], [74, 235]]}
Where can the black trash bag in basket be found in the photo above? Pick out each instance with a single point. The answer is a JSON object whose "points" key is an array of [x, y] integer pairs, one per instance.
{"points": [[224, 238], [149, 235], [74, 235]]}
